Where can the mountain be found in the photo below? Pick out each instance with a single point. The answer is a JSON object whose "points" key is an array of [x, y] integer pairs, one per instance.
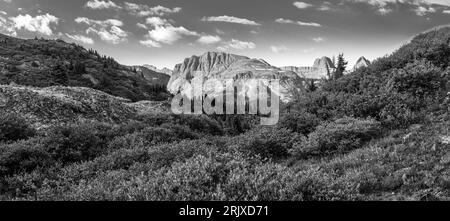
{"points": [[42, 63], [153, 68], [362, 62], [321, 69], [220, 65], [154, 77]]}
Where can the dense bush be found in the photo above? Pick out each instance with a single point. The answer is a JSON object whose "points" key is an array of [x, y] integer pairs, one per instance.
{"points": [[266, 142], [299, 121], [198, 123], [14, 128], [23, 156], [73, 143], [338, 136]]}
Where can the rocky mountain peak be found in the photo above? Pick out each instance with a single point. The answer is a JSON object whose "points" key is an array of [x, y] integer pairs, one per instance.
{"points": [[324, 62], [362, 62]]}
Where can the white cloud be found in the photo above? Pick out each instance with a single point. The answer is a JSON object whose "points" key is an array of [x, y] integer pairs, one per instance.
{"points": [[3, 13], [420, 7], [319, 39], [313, 24], [163, 32], [99, 4], [284, 21], [169, 34], [278, 49], [7, 27], [446, 11], [326, 6], [209, 39], [150, 43], [81, 38], [236, 44], [7, 1], [302, 5], [145, 10], [157, 21], [105, 23], [421, 10], [40, 23], [140, 25], [288, 21], [230, 19], [108, 30]]}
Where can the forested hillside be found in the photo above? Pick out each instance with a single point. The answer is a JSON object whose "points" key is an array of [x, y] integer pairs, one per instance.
{"points": [[43, 63]]}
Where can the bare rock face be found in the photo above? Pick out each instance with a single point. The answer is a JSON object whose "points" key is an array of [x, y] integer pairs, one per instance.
{"points": [[322, 69], [166, 71], [362, 62], [220, 65]]}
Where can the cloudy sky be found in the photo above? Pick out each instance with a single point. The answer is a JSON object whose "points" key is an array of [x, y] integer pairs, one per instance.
{"points": [[282, 32]]}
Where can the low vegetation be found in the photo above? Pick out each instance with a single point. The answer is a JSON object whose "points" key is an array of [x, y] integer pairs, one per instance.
{"points": [[379, 133]]}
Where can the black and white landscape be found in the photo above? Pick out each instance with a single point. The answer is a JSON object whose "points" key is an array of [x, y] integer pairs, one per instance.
{"points": [[87, 89]]}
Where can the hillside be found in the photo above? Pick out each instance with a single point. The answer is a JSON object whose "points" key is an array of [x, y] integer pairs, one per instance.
{"points": [[43, 63], [381, 132], [50, 106]]}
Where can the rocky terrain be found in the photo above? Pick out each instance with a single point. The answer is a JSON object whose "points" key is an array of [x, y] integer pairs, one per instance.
{"points": [[362, 62], [321, 69], [42, 63], [166, 71], [220, 65]]}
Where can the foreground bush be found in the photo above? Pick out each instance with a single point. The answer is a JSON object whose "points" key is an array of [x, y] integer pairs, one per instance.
{"points": [[299, 121], [266, 142], [23, 156], [13, 128], [338, 136]]}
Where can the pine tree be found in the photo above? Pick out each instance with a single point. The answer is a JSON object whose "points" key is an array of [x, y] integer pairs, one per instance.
{"points": [[341, 67]]}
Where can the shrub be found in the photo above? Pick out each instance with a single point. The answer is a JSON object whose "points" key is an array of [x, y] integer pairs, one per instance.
{"points": [[339, 136], [266, 142], [23, 156], [14, 128], [198, 123], [299, 121], [73, 143]]}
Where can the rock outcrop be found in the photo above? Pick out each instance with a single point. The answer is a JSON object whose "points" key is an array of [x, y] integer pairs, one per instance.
{"points": [[322, 69], [362, 62], [220, 65]]}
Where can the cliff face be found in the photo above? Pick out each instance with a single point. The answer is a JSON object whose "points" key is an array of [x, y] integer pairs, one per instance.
{"points": [[362, 62], [321, 69], [219, 65]]}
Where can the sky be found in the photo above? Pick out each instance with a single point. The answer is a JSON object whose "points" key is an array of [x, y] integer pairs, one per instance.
{"points": [[282, 32]]}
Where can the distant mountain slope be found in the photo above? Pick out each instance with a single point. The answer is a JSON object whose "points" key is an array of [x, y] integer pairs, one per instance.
{"points": [[152, 76], [221, 65], [42, 63], [153, 68]]}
